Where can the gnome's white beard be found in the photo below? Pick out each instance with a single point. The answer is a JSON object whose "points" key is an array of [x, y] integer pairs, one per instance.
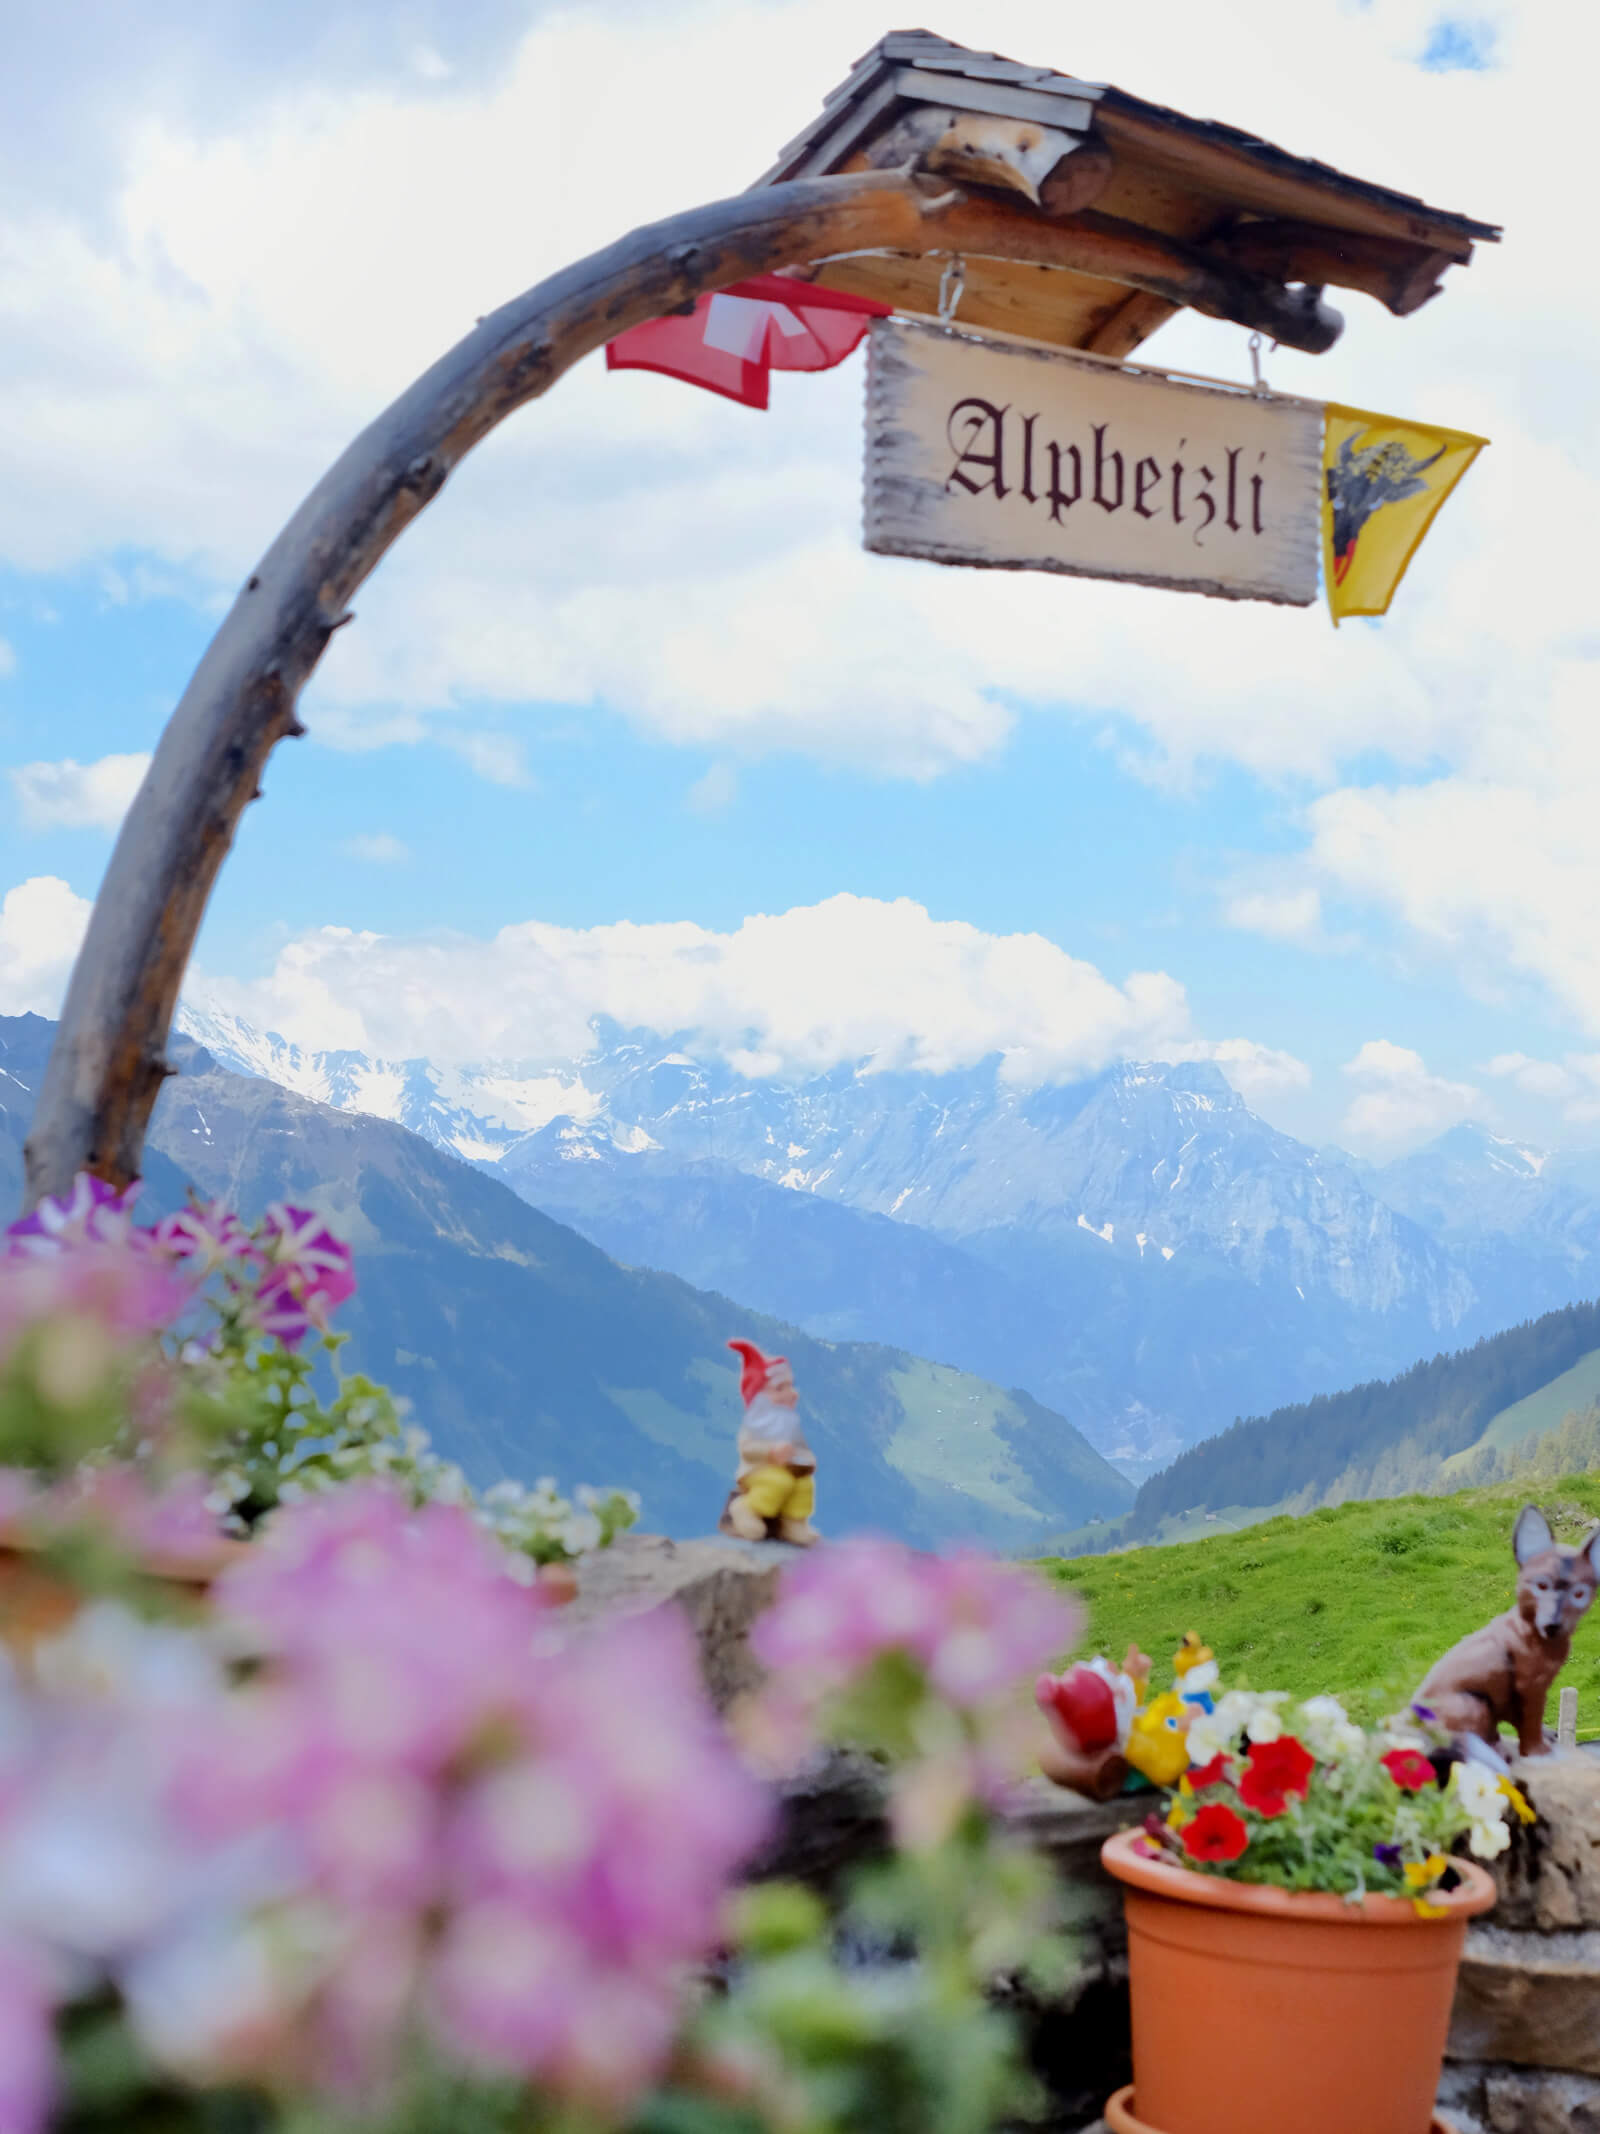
{"points": [[768, 1422]]}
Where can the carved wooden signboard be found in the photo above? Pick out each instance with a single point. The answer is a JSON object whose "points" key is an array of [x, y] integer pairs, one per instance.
{"points": [[997, 454]]}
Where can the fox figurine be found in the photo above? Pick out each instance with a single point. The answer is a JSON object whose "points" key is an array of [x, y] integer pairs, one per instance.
{"points": [[1504, 1671]]}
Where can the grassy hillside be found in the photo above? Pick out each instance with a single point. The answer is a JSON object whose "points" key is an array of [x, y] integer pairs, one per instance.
{"points": [[1358, 1600], [1376, 1440], [1570, 1393]]}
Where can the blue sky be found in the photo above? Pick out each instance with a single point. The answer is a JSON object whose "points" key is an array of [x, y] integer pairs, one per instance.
{"points": [[632, 671]]}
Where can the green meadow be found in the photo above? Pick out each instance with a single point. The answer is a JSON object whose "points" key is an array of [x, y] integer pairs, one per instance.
{"points": [[1357, 1601]]}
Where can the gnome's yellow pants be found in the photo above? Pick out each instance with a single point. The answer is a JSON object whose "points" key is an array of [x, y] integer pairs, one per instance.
{"points": [[779, 1493]]}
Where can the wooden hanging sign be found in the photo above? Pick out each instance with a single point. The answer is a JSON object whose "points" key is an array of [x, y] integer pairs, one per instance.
{"points": [[1010, 457]]}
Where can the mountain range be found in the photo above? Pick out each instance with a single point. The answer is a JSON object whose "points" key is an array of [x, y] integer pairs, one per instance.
{"points": [[526, 1350], [1139, 1250]]}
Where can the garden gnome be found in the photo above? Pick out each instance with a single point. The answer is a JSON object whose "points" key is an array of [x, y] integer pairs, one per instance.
{"points": [[775, 1491]]}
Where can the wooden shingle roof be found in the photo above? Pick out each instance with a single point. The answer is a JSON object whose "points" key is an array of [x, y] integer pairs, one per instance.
{"points": [[1135, 186]]}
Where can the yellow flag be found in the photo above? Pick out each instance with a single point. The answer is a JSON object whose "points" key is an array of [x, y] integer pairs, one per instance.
{"points": [[1383, 481]]}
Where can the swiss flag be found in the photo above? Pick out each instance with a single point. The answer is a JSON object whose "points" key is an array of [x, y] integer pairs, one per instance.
{"points": [[735, 337]]}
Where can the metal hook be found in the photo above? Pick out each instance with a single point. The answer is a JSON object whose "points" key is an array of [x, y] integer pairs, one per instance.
{"points": [[951, 283], [1259, 384]]}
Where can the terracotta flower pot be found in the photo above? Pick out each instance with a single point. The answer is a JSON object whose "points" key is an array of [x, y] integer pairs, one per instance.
{"points": [[1256, 2010], [1122, 2119], [37, 1601]]}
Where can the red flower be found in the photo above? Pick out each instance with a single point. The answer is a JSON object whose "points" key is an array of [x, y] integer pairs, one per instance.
{"points": [[1211, 1774], [1216, 1833], [1276, 1769], [1409, 1768]]}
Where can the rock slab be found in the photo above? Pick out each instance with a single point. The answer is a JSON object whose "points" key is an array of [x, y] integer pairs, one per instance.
{"points": [[720, 1584]]}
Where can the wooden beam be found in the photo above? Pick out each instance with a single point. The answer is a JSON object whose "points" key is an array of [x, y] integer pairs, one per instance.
{"points": [[1399, 274], [1143, 259], [1134, 320], [108, 1062], [1049, 106]]}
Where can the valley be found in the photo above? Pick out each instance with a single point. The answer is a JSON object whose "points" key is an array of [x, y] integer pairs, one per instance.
{"points": [[525, 1350], [1138, 1250]]}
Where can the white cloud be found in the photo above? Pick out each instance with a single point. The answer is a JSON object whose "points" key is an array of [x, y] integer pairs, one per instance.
{"points": [[1573, 1083], [1258, 1072], [802, 990], [379, 846], [181, 368], [498, 757], [41, 925], [1284, 915], [1400, 1100], [714, 793], [78, 796]]}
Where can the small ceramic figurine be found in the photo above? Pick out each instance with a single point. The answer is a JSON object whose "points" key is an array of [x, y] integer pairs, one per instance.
{"points": [[1158, 1746], [1195, 1670], [1092, 1711], [1504, 1671], [775, 1491]]}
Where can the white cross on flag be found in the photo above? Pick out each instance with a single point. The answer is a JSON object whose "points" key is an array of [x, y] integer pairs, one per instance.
{"points": [[734, 338]]}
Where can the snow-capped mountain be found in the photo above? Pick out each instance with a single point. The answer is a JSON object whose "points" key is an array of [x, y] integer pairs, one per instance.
{"points": [[1138, 1249], [526, 1351], [476, 1112]]}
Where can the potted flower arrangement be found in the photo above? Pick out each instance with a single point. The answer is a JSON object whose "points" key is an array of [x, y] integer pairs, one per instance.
{"points": [[1300, 1911]]}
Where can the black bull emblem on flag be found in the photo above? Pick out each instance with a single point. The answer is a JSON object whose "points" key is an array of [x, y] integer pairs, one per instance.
{"points": [[1361, 483]]}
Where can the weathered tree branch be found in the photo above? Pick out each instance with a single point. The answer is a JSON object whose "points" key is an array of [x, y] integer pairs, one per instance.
{"points": [[1400, 275], [108, 1062], [1160, 266]]}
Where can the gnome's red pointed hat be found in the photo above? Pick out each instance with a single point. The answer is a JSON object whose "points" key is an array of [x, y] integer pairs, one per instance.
{"points": [[761, 1373]]}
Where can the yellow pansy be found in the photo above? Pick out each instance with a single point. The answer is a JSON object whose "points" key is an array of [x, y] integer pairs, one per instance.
{"points": [[1419, 1873], [1425, 1910], [1177, 1816], [1519, 1801]]}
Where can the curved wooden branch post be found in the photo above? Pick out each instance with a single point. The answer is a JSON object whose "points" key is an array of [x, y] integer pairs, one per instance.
{"points": [[108, 1062]]}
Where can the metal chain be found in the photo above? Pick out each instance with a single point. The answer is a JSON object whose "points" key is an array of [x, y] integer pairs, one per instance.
{"points": [[1259, 384], [951, 283]]}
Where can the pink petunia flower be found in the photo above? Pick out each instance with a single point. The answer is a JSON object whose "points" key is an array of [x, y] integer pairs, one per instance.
{"points": [[309, 1274], [207, 1233], [976, 1629], [92, 1213], [27, 2043]]}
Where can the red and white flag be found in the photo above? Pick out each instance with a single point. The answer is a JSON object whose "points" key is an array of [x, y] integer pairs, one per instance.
{"points": [[735, 337]]}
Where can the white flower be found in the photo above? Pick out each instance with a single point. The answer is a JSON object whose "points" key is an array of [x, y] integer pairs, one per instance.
{"points": [[1240, 1711], [1207, 1738], [1264, 1721], [1200, 1679], [1478, 1791], [1486, 1840], [1328, 1730]]}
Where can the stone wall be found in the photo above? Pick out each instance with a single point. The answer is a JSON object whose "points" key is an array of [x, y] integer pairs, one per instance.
{"points": [[832, 1815], [1525, 2036]]}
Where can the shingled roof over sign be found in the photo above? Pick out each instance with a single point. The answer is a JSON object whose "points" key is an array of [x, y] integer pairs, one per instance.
{"points": [[1104, 193]]}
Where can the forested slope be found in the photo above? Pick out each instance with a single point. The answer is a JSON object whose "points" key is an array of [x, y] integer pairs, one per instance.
{"points": [[1375, 1440]]}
